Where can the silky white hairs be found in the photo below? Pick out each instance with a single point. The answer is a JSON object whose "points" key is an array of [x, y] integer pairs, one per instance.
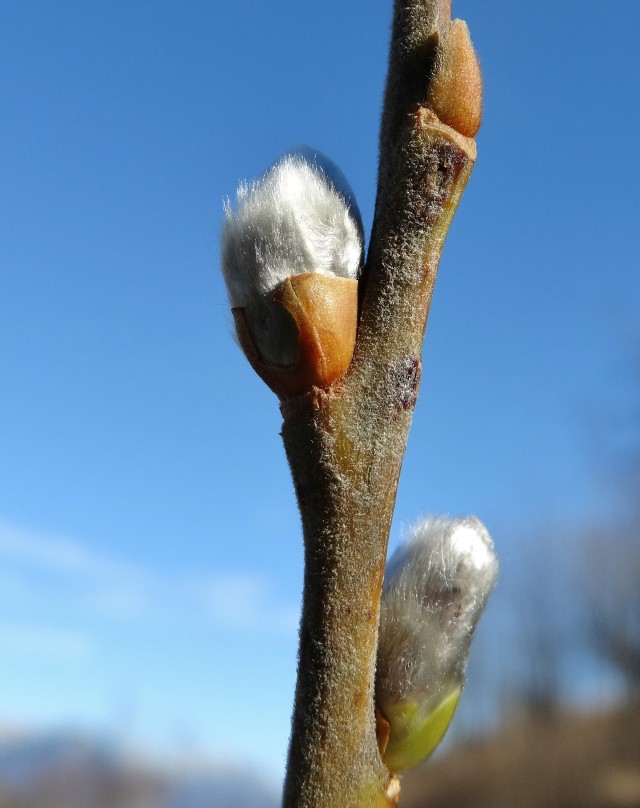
{"points": [[436, 586], [300, 216]]}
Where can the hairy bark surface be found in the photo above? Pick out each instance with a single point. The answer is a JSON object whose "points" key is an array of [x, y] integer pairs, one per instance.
{"points": [[345, 444]]}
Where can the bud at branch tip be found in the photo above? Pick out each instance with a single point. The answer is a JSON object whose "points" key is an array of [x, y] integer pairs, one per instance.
{"points": [[455, 93]]}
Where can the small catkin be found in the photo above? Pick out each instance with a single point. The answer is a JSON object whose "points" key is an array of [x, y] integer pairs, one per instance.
{"points": [[299, 217], [436, 587], [294, 219]]}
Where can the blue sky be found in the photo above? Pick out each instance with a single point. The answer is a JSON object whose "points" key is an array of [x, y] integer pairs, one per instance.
{"points": [[150, 556]]}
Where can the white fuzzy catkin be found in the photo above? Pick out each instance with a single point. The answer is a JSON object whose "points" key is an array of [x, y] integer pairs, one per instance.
{"points": [[436, 587], [298, 217]]}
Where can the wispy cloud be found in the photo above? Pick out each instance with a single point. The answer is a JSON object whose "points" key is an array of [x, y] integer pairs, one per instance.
{"points": [[245, 602], [106, 587], [61, 555], [53, 643]]}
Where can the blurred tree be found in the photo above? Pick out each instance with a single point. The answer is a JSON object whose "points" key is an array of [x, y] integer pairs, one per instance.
{"points": [[548, 623], [613, 597], [613, 570]]}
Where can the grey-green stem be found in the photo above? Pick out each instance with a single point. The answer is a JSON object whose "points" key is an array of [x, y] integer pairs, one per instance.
{"points": [[345, 445]]}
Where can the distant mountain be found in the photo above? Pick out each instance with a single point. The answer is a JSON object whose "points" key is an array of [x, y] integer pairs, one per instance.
{"points": [[77, 771], [25, 758]]}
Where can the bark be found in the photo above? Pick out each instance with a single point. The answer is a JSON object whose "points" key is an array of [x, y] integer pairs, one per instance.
{"points": [[345, 444]]}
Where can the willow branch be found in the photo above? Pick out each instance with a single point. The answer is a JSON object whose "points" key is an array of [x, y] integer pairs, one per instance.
{"points": [[345, 444]]}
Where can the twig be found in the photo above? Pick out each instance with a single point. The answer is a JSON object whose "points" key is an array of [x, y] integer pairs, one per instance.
{"points": [[345, 444]]}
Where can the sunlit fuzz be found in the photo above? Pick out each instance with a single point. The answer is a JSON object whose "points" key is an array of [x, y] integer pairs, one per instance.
{"points": [[436, 587], [291, 220], [291, 253], [294, 219]]}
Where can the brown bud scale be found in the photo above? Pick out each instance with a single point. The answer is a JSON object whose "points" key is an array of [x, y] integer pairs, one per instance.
{"points": [[324, 309], [455, 94]]}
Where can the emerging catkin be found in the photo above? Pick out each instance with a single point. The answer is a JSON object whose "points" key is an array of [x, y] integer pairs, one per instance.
{"points": [[297, 218], [289, 221], [436, 587]]}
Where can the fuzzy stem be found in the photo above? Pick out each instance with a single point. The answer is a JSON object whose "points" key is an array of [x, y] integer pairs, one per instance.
{"points": [[345, 445]]}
